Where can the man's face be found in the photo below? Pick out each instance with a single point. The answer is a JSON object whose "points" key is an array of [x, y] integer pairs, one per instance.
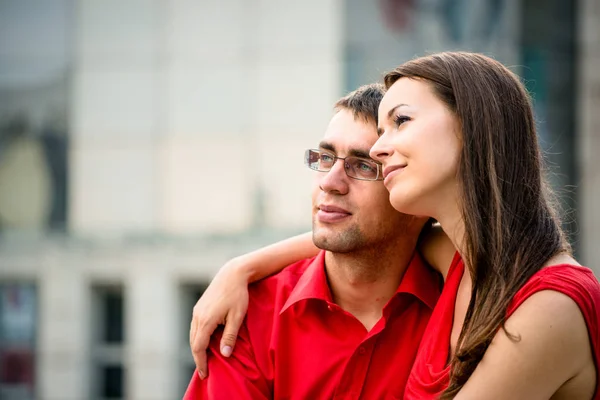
{"points": [[350, 214]]}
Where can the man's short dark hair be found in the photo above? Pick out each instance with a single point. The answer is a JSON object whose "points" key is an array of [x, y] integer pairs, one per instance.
{"points": [[363, 102]]}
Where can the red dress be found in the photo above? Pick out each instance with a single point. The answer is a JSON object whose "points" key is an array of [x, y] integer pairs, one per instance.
{"points": [[431, 373]]}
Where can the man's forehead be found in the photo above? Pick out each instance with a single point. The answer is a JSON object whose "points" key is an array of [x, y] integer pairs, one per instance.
{"points": [[347, 144], [347, 133]]}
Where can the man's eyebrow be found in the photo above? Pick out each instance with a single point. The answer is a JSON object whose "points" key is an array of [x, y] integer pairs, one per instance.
{"points": [[352, 152], [327, 146], [395, 108], [359, 153]]}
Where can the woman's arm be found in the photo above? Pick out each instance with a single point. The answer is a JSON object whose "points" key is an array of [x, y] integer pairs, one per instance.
{"points": [[273, 258], [553, 349], [225, 301]]}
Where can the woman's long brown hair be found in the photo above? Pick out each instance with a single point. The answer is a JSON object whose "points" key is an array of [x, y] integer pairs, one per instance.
{"points": [[511, 227]]}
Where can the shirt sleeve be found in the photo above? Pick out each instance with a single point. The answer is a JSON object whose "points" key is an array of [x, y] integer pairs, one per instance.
{"points": [[236, 377]]}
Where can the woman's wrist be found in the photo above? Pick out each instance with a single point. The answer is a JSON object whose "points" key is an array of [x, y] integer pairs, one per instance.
{"points": [[242, 267]]}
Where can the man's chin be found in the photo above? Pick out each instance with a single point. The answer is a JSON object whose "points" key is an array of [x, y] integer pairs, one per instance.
{"points": [[325, 233], [337, 241], [322, 239]]}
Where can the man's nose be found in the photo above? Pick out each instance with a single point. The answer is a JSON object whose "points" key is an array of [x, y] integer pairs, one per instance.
{"points": [[335, 180]]}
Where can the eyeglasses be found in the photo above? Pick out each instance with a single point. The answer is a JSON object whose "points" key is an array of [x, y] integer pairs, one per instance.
{"points": [[362, 169]]}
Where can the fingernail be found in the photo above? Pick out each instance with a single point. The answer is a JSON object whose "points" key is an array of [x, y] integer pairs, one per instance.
{"points": [[226, 351], [201, 374]]}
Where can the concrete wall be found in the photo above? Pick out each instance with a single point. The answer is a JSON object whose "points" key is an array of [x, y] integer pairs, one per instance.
{"points": [[186, 114]]}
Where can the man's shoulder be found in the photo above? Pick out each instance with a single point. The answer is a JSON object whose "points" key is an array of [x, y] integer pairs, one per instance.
{"points": [[280, 285]]}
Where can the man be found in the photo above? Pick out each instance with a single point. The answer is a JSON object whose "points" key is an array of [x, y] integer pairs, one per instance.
{"points": [[347, 323]]}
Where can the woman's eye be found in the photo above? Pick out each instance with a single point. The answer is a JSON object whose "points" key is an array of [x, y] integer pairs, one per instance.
{"points": [[400, 119]]}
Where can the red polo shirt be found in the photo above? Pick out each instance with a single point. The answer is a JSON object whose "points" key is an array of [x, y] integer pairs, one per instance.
{"points": [[297, 344]]}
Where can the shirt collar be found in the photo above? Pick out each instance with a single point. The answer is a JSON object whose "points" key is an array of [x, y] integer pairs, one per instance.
{"points": [[311, 285], [421, 281], [418, 280]]}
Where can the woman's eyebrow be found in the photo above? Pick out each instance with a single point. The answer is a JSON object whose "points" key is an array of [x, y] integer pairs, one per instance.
{"points": [[395, 108]]}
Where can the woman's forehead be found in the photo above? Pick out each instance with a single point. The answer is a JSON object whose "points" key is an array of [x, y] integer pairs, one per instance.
{"points": [[407, 93]]}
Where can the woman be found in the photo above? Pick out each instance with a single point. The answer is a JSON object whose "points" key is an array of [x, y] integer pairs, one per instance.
{"points": [[518, 316]]}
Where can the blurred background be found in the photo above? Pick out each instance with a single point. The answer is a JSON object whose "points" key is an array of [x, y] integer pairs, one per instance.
{"points": [[145, 142]]}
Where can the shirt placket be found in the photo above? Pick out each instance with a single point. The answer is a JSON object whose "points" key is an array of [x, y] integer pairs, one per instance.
{"points": [[355, 373]]}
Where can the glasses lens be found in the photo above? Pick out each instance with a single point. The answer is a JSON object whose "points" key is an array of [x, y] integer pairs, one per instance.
{"points": [[311, 159], [319, 160], [361, 168]]}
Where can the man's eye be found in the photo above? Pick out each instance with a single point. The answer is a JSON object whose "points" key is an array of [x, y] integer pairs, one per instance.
{"points": [[326, 158], [366, 167]]}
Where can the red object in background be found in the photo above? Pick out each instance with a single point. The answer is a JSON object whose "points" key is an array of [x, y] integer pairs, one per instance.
{"points": [[17, 366], [396, 14]]}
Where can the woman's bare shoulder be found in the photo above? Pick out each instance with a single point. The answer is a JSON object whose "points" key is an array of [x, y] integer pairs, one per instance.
{"points": [[561, 259]]}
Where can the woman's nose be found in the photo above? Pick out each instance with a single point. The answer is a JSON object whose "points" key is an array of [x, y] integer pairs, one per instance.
{"points": [[381, 149]]}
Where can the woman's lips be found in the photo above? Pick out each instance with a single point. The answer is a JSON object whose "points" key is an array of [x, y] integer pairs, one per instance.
{"points": [[390, 172]]}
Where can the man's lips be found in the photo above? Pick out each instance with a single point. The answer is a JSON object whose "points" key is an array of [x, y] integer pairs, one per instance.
{"points": [[389, 172], [331, 208], [331, 213]]}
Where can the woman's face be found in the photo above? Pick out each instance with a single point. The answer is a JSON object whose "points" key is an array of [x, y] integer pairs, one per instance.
{"points": [[419, 148]]}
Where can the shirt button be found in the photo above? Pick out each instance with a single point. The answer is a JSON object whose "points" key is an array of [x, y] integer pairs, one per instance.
{"points": [[329, 307], [361, 351]]}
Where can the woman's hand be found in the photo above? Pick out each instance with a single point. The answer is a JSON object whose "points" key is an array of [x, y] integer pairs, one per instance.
{"points": [[224, 302]]}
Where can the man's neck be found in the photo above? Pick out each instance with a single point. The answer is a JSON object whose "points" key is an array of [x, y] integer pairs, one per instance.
{"points": [[363, 282]]}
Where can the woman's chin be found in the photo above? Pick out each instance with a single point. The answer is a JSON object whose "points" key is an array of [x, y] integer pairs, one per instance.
{"points": [[404, 203]]}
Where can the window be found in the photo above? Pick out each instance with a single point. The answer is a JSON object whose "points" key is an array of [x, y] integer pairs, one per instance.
{"points": [[34, 123], [17, 341], [108, 338], [112, 382], [189, 295]]}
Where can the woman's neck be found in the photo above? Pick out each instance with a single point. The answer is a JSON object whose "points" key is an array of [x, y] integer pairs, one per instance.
{"points": [[452, 223]]}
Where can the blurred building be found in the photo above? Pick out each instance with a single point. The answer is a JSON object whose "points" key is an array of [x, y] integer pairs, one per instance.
{"points": [[145, 142]]}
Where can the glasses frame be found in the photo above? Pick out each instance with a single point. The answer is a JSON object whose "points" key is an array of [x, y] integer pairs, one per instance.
{"points": [[379, 176]]}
